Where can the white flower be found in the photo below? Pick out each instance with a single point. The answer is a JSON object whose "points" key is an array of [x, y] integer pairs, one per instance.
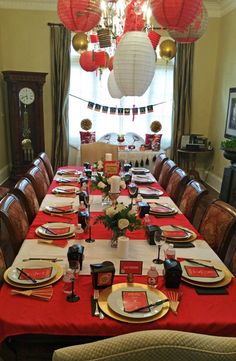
{"points": [[133, 211], [101, 185], [120, 207], [122, 185], [110, 211], [123, 223]]}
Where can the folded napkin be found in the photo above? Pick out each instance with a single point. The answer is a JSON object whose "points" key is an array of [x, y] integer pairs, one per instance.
{"points": [[62, 209], [57, 231], [211, 291], [160, 209], [36, 273], [183, 245], [56, 242], [174, 234]]}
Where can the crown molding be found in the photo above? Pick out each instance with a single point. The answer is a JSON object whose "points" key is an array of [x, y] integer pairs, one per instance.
{"points": [[215, 8]]}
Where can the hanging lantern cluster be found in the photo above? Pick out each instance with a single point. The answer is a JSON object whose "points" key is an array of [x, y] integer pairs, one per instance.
{"points": [[80, 42], [167, 49], [87, 61]]}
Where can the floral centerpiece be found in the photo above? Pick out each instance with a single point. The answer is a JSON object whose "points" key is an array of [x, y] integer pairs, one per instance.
{"points": [[119, 219], [103, 184]]}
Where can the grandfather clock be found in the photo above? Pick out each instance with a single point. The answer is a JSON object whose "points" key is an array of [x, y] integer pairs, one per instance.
{"points": [[25, 109]]}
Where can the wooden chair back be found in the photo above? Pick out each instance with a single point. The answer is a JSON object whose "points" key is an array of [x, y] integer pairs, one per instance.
{"points": [[47, 164], [160, 159], [24, 190], [93, 152], [176, 184], [218, 225], [3, 266], [36, 176], [14, 225], [38, 162], [191, 197], [166, 171]]}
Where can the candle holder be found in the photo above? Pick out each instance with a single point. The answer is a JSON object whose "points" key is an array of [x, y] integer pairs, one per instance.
{"points": [[113, 197], [73, 297]]}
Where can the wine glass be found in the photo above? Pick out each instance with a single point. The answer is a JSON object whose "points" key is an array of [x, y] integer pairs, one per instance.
{"points": [[159, 241]]}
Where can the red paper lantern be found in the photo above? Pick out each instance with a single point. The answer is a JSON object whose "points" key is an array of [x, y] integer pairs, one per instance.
{"points": [[154, 38], [87, 62], [101, 59], [79, 15], [134, 20], [93, 38], [110, 63], [194, 31], [175, 14]]}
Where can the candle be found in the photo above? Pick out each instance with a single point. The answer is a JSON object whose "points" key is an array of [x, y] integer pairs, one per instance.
{"points": [[108, 156], [115, 184], [123, 247]]}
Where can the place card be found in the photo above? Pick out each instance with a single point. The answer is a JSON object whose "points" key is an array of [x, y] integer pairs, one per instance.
{"points": [[131, 267], [201, 272], [133, 300]]}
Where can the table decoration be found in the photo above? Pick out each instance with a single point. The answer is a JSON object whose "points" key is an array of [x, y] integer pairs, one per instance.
{"points": [[119, 218], [44, 293], [129, 317], [106, 185]]}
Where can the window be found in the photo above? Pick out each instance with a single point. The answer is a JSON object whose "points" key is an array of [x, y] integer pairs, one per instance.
{"points": [[89, 86]]}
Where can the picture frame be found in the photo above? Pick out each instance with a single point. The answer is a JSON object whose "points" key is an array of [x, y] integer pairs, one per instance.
{"points": [[230, 126]]}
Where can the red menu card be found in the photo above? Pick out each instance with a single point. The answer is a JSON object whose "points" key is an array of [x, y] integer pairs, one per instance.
{"points": [[174, 233], [36, 273], [57, 231], [201, 272], [133, 300]]}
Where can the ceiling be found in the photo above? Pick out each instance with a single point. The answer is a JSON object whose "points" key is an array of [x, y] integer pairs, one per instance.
{"points": [[216, 8]]}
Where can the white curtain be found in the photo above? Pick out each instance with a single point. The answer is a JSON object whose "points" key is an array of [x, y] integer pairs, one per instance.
{"points": [[89, 86]]}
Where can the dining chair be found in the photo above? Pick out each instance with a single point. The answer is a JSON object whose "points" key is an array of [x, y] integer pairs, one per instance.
{"points": [[218, 226], [166, 171], [36, 176], [153, 345], [48, 165], [14, 225], [3, 266], [38, 162], [191, 197], [176, 184], [24, 190], [93, 152], [160, 159]]}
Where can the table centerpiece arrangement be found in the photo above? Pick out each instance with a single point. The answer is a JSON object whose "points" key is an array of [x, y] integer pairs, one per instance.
{"points": [[106, 185], [119, 219]]}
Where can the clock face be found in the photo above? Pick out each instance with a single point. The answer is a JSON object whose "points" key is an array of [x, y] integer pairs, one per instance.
{"points": [[26, 96]]}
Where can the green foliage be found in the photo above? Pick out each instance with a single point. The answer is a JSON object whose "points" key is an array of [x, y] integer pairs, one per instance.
{"points": [[229, 144]]}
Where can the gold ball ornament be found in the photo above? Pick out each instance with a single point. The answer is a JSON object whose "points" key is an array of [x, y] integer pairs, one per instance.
{"points": [[155, 126], [80, 42], [167, 49], [86, 124]]}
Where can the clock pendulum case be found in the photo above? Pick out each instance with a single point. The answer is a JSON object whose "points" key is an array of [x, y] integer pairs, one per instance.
{"points": [[25, 113]]}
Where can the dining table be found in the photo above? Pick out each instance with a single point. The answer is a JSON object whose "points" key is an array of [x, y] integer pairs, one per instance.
{"points": [[207, 310]]}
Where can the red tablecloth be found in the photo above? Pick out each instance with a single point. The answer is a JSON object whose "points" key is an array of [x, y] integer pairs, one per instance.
{"points": [[214, 315]]}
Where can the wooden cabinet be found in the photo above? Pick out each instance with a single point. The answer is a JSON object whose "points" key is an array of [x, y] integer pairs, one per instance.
{"points": [[24, 92]]}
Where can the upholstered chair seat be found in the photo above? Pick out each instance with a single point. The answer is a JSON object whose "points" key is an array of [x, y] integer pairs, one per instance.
{"points": [[166, 171], [39, 182], [160, 159]]}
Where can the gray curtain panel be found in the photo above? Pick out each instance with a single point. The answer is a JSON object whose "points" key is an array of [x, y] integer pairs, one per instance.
{"points": [[182, 99], [60, 80]]}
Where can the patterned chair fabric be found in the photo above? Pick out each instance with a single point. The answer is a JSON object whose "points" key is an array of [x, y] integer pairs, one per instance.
{"points": [[166, 171], [176, 184], [14, 224], [153, 345], [36, 177], [161, 158], [191, 197], [218, 226], [24, 190], [47, 164], [38, 162]]}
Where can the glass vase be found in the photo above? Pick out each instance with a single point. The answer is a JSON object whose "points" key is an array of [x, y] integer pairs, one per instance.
{"points": [[115, 235], [106, 201]]}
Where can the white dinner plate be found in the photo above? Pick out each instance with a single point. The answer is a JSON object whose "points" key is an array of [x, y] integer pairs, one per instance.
{"points": [[67, 179], [115, 302], [13, 274], [140, 170], [41, 231], [66, 190], [68, 172], [166, 209], [220, 276], [150, 192]]}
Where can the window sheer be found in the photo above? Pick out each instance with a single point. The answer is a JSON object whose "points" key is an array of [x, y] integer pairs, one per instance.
{"points": [[89, 86]]}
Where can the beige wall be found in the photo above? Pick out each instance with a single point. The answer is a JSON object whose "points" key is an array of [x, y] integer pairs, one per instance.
{"points": [[24, 45]]}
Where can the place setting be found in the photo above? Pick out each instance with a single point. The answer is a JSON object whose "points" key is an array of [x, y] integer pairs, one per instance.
{"points": [[135, 303], [143, 178], [66, 191], [60, 210], [149, 192], [139, 171], [159, 209], [69, 172], [68, 180], [33, 274], [55, 231], [177, 234]]}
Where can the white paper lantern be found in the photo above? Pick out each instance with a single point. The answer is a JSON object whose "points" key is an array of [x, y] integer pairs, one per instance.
{"points": [[134, 63], [113, 87]]}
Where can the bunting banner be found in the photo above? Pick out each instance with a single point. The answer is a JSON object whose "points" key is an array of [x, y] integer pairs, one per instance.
{"points": [[118, 111]]}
